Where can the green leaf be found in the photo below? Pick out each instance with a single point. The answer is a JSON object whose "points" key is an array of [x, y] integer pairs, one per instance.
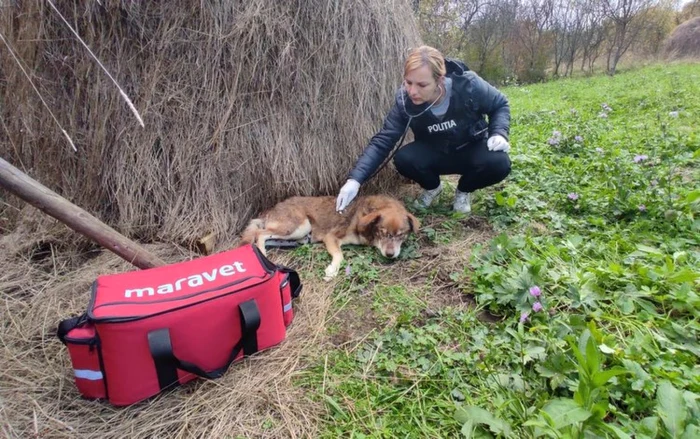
{"points": [[602, 377], [650, 426], [592, 356], [468, 429], [533, 353], [336, 407], [691, 432], [500, 199], [693, 196], [617, 431], [456, 394], [647, 249], [565, 412], [478, 416], [684, 275], [606, 349], [671, 408]]}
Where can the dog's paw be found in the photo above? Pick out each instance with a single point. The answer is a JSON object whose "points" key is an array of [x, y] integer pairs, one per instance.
{"points": [[331, 272]]}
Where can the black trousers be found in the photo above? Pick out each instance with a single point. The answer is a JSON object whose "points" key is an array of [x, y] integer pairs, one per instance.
{"points": [[477, 166]]}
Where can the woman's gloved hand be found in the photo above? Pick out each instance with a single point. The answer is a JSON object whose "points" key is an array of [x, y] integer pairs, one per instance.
{"points": [[498, 143], [347, 193]]}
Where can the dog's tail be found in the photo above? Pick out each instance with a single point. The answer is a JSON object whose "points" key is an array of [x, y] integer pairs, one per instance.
{"points": [[250, 234]]}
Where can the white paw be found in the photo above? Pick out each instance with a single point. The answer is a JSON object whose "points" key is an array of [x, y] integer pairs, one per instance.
{"points": [[331, 272]]}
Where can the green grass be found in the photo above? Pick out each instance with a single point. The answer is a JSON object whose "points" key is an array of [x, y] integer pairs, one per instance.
{"points": [[612, 244]]}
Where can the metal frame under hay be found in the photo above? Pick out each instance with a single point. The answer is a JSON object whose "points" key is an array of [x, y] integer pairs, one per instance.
{"points": [[684, 41], [244, 103]]}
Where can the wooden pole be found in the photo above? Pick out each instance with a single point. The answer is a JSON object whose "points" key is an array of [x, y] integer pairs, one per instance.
{"points": [[74, 217]]}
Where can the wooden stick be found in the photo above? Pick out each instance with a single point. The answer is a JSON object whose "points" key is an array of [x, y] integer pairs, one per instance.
{"points": [[205, 245], [74, 217]]}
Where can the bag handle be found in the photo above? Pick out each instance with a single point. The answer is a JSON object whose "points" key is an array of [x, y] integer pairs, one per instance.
{"points": [[67, 325], [167, 363], [293, 279]]}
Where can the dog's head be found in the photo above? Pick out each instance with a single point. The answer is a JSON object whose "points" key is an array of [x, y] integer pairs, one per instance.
{"points": [[387, 229]]}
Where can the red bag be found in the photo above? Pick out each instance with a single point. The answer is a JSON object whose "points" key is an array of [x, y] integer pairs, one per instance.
{"points": [[145, 331]]}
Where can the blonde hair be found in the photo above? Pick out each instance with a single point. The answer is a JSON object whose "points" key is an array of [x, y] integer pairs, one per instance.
{"points": [[425, 56]]}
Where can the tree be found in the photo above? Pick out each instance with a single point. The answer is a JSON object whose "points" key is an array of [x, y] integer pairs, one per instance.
{"points": [[660, 23], [594, 33], [628, 19], [439, 21], [690, 10], [490, 29], [568, 25], [532, 28]]}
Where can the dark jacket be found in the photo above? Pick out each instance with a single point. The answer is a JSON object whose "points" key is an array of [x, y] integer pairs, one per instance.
{"points": [[464, 123]]}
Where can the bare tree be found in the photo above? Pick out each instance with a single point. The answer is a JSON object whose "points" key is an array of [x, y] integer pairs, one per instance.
{"points": [[490, 29], [690, 10], [594, 33], [628, 18], [468, 11], [566, 31], [533, 25], [437, 20]]}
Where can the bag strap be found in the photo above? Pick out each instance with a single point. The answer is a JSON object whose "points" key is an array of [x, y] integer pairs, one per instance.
{"points": [[293, 278], [68, 325], [167, 363]]}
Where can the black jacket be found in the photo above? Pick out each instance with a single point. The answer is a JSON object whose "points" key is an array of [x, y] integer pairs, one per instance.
{"points": [[464, 123]]}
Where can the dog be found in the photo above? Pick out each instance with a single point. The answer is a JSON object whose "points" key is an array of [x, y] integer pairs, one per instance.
{"points": [[376, 220]]}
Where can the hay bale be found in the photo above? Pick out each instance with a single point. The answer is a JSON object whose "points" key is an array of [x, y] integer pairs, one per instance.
{"points": [[244, 103], [684, 41]]}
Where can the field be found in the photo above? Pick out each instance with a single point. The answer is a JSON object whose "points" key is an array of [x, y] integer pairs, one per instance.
{"points": [[566, 306]]}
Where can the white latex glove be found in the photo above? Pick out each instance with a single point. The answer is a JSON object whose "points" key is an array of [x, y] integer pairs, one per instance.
{"points": [[498, 143], [347, 193]]}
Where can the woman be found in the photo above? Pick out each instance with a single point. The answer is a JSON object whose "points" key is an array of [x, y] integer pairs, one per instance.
{"points": [[445, 106]]}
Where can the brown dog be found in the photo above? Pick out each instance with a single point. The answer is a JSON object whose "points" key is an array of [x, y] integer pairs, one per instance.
{"points": [[377, 220]]}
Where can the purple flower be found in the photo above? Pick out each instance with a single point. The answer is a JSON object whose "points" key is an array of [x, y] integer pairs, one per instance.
{"points": [[673, 114], [642, 208], [537, 307], [578, 139], [640, 158], [606, 107], [348, 270], [524, 316], [573, 196], [556, 137], [535, 291], [600, 150], [654, 182], [603, 114]]}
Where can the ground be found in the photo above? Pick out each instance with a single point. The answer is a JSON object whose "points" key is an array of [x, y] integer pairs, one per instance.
{"points": [[566, 305]]}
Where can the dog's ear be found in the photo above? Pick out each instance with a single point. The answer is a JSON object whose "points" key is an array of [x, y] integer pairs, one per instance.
{"points": [[368, 221], [413, 223]]}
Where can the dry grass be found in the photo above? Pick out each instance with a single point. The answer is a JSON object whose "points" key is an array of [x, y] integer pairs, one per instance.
{"points": [[684, 41], [244, 103], [38, 398], [44, 281]]}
